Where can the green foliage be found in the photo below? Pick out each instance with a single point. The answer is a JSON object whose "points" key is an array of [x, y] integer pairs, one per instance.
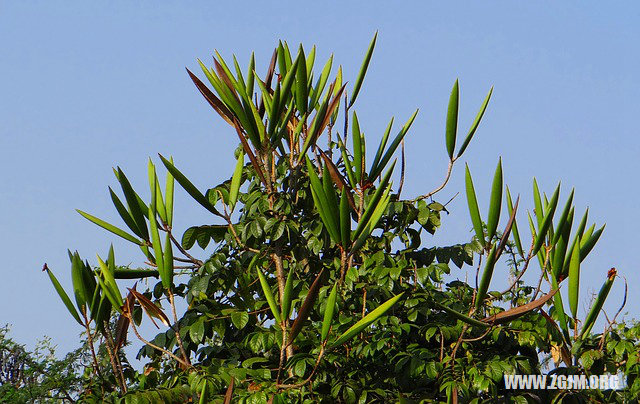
{"points": [[38, 376], [315, 282]]}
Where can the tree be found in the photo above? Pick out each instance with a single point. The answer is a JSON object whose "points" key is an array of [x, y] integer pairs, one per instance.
{"points": [[30, 377], [318, 285]]}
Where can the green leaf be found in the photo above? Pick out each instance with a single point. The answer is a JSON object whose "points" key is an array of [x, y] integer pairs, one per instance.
{"points": [[322, 202], [559, 309], [560, 249], [155, 235], [132, 201], [345, 219], [77, 267], [597, 305], [63, 295], [347, 165], [392, 148], [189, 187], [514, 229], [328, 313], [539, 212], [367, 320], [113, 229], [240, 319], [546, 221], [373, 221], [322, 82], [109, 285], [495, 202], [250, 70], [287, 83], [382, 145], [452, 120], [160, 208], [374, 202], [356, 136], [475, 124], [363, 70], [196, 330], [167, 260], [204, 397], [574, 280], [169, 196], [563, 217], [472, 202], [302, 85], [236, 181], [587, 246], [124, 213], [333, 204]]}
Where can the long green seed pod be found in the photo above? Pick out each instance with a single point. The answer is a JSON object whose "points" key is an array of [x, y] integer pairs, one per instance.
{"points": [[367, 320], [462, 317], [266, 289]]}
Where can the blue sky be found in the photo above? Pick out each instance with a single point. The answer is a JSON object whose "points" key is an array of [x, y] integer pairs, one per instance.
{"points": [[85, 86]]}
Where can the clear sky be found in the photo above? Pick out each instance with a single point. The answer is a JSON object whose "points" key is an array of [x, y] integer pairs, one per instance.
{"points": [[85, 86]]}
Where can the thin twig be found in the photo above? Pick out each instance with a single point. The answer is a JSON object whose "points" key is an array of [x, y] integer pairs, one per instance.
{"points": [[96, 367], [441, 186], [308, 379], [183, 251], [113, 357], [144, 341], [177, 328], [524, 269], [544, 272]]}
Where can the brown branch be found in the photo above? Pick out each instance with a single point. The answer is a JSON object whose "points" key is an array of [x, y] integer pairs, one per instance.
{"points": [[308, 379], [544, 272], [480, 337], [524, 269], [96, 367], [154, 346], [183, 251], [176, 328], [113, 358], [441, 186]]}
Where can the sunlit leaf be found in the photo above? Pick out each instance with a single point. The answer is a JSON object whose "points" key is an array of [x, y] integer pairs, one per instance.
{"points": [[495, 202], [474, 211], [452, 120], [363, 70], [63, 295], [474, 125]]}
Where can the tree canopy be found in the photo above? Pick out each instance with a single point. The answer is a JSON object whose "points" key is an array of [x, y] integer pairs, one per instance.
{"points": [[315, 279]]}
